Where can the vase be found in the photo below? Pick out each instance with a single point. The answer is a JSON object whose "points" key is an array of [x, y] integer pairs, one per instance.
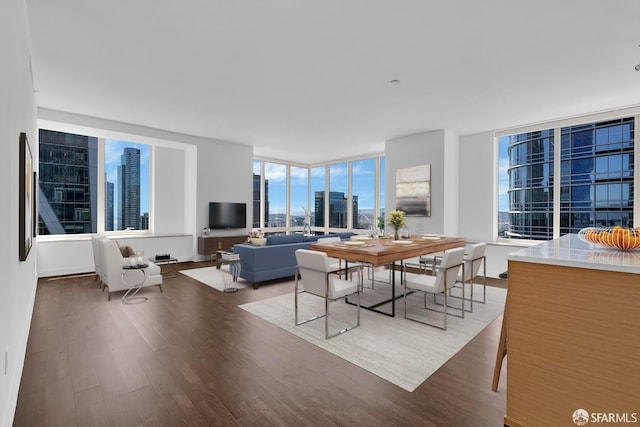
{"points": [[395, 234], [259, 241]]}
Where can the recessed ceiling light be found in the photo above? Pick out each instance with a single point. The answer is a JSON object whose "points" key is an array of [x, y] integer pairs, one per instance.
{"points": [[394, 82]]}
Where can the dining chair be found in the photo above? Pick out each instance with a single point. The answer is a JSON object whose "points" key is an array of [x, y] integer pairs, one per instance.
{"points": [[474, 257], [319, 279], [333, 262], [439, 284]]}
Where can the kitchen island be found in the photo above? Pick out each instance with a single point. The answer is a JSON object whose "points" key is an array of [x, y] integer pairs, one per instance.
{"points": [[573, 334]]}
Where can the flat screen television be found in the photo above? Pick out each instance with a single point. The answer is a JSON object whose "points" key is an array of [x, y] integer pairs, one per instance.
{"points": [[224, 215]]}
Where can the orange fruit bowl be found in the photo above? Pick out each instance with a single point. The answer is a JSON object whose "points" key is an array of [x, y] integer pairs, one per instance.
{"points": [[625, 239]]}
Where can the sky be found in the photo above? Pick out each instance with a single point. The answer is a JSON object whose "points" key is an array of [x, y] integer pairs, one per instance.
{"points": [[503, 177]]}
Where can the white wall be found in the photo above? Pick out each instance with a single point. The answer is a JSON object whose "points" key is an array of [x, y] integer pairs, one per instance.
{"points": [[478, 200], [225, 174], [477, 213], [463, 178], [17, 114], [439, 149]]}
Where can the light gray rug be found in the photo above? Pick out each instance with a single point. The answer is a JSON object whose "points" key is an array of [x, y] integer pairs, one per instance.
{"points": [[401, 351], [215, 278]]}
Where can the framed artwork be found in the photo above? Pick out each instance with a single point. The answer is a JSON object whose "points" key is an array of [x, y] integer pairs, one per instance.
{"points": [[26, 198], [34, 213], [413, 190]]}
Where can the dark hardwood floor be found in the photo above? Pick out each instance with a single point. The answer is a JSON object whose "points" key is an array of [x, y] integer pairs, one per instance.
{"points": [[190, 356]]}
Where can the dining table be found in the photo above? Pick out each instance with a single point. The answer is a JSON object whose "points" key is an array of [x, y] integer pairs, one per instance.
{"points": [[387, 251]]}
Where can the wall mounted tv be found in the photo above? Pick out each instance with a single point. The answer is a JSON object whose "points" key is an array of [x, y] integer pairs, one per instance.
{"points": [[224, 215]]}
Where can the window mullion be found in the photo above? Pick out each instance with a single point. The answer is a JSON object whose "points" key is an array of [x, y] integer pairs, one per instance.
{"points": [[636, 170], [557, 162]]}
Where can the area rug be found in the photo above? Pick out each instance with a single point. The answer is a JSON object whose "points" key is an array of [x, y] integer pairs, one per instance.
{"points": [[214, 278], [398, 350]]}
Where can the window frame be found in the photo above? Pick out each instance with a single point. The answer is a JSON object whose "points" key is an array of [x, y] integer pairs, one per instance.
{"points": [[557, 126], [310, 196], [103, 135]]}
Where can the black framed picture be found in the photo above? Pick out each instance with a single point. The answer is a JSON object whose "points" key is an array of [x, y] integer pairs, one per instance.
{"points": [[26, 198], [34, 213]]}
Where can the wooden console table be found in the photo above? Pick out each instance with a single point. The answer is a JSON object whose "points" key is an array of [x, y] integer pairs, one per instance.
{"points": [[208, 245], [573, 331]]}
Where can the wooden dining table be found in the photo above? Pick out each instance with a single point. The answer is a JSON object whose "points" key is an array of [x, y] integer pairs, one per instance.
{"points": [[386, 251]]}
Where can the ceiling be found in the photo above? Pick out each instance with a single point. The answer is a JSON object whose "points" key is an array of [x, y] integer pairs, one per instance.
{"points": [[308, 81]]}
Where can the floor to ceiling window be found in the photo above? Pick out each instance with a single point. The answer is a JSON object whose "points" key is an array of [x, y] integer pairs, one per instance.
{"points": [[299, 199], [363, 187], [275, 202], [318, 186], [337, 195], [595, 172]]}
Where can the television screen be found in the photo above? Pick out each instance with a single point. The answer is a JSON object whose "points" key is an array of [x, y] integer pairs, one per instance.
{"points": [[227, 215]]}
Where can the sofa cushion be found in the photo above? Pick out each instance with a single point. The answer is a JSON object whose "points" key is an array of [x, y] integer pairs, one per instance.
{"points": [[283, 239]]}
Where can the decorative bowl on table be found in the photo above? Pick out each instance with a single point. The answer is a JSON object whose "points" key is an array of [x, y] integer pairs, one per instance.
{"points": [[612, 237]]}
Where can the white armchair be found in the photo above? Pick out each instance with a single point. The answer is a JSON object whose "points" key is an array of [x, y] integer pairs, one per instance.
{"points": [[97, 257], [112, 263]]}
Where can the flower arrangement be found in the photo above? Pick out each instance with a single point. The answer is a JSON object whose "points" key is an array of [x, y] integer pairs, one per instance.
{"points": [[256, 237], [256, 234], [397, 220]]}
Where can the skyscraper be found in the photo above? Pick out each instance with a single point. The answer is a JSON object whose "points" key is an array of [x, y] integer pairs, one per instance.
{"points": [[109, 205], [337, 209], [68, 183], [596, 178], [129, 189]]}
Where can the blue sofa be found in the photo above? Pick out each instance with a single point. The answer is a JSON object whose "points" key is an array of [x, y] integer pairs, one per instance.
{"points": [[275, 260]]}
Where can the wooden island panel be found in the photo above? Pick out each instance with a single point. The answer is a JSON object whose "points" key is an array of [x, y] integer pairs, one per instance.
{"points": [[573, 342]]}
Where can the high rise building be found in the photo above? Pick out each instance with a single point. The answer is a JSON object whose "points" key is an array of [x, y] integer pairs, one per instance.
{"points": [[68, 183], [144, 221], [129, 189], [596, 178], [109, 205], [337, 209]]}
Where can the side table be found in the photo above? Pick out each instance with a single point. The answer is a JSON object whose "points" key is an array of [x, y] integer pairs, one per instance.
{"points": [[134, 287], [168, 272], [233, 260]]}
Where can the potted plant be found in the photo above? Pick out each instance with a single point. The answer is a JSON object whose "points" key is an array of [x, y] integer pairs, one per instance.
{"points": [[256, 237], [396, 220]]}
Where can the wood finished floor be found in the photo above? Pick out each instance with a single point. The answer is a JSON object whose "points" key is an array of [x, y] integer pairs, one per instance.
{"points": [[190, 356]]}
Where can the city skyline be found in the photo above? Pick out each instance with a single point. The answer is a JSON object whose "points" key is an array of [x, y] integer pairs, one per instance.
{"points": [[363, 184]]}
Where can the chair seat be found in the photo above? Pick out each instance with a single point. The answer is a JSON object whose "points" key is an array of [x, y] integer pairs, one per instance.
{"points": [[342, 288], [421, 282]]}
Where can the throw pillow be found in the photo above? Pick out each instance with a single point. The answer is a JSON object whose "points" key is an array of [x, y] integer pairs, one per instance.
{"points": [[127, 251]]}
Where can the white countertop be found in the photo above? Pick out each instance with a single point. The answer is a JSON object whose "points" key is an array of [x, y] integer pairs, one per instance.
{"points": [[570, 251]]}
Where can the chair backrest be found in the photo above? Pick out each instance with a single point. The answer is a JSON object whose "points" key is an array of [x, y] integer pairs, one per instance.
{"points": [[97, 256], [450, 258], [112, 261], [313, 267], [328, 240], [473, 259]]}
